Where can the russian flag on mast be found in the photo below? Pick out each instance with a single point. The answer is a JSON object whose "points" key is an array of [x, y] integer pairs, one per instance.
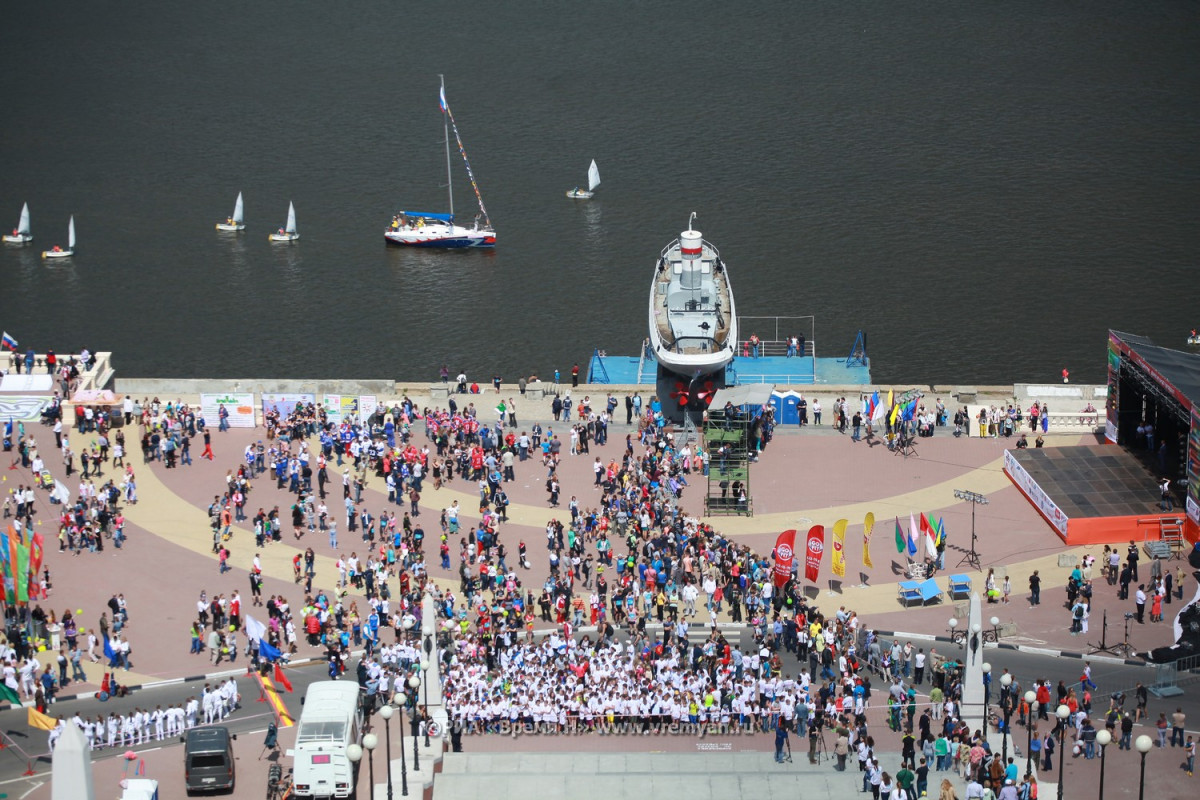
{"points": [[442, 99], [8, 342]]}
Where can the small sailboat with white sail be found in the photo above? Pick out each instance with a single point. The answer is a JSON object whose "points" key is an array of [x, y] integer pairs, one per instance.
{"points": [[59, 252], [234, 223], [593, 182], [287, 234], [21, 234], [429, 229]]}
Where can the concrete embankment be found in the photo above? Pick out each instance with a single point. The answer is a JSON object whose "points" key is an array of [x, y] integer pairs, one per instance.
{"points": [[1064, 400]]}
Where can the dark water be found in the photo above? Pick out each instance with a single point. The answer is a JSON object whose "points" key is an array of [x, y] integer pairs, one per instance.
{"points": [[983, 188]]}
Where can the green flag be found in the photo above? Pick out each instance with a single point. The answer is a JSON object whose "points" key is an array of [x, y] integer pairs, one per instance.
{"points": [[9, 694], [900, 540], [21, 573]]}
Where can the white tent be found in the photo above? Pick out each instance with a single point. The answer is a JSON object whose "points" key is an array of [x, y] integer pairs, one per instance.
{"points": [[749, 394]]}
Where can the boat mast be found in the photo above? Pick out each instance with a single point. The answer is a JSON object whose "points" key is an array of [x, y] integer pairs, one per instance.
{"points": [[446, 127]]}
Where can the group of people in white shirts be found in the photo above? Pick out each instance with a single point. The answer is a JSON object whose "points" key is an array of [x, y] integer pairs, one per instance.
{"points": [[143, 725], [558, 683]]}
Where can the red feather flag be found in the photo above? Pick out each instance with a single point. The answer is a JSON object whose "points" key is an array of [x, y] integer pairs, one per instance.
{"points": [[785, 552], [281, 679]]}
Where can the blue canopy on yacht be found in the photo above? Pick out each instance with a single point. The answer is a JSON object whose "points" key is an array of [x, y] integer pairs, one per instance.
{"points": [[429, 215]]}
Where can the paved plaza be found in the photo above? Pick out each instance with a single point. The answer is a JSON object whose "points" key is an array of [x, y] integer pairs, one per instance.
{"points": [[804, 477]]}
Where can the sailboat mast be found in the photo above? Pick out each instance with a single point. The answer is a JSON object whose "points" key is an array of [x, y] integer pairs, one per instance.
{"points": [[446, 128]]}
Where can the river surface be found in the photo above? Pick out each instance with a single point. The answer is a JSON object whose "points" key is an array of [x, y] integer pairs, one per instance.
{"points": [[984, 189]]}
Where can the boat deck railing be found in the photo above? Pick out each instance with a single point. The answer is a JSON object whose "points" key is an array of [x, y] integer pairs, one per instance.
{"points": [[704, 243]]}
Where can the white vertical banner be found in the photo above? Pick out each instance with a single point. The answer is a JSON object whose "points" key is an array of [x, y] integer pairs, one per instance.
{"points": [[367, 405], [333, 408]]}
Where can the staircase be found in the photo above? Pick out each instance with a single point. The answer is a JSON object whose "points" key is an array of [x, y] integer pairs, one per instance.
{"points": [[1172, 534], [709, 773]]}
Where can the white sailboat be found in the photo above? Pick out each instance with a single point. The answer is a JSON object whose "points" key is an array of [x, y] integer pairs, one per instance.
{"points": [[21, 234], [235, 222], [429, 229], [287, 234], [59, 252], [593, 182]]}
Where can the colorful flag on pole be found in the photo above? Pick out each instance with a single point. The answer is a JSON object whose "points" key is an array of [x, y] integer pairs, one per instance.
{"points": [[109, 653], [785, 554], [941, 533], [9, 694], [868, 526], [8, 342], [838, 558], [36, 555], [21, 575], [14, 540], [814, 548], [281, 678], [6, 566], [900, 540], [927, 535], [442, 99], [37, 719], [912, 534], [267, 652]]}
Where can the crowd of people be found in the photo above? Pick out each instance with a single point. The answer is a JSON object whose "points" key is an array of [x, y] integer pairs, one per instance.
{"points": [[143, 725], [628, 561]]}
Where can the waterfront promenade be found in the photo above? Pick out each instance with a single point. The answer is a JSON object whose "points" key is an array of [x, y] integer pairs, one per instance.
{"points": [[805, 477]]}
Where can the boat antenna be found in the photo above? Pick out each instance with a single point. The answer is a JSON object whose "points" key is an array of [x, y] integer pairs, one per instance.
{"points": [[446, 127], [691, 219]]}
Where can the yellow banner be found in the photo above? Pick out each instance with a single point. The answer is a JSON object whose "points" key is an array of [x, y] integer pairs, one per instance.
{"points": [[868, 524], [37, 719], [839, 547]]}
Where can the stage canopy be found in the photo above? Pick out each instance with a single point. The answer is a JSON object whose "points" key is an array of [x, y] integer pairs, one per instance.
{"points": [[1159, 387]]}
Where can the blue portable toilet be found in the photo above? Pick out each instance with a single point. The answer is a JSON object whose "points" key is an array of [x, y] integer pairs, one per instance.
{"points": [[787, 411], [776, 403], [791, 408]]}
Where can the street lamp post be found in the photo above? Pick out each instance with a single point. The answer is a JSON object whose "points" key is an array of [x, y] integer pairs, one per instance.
{"points": [[398, 700], [993, 635], [986, 669], [354, 752], [1104, 739], [1006, 704], [1062, 712], [386, 714], [413, 683], [1031, 701], [427, 633], [370, 742], [1143, 744]]}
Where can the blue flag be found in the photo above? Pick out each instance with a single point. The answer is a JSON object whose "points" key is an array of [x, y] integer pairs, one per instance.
{"points": [[108, 651], [267, 652]]}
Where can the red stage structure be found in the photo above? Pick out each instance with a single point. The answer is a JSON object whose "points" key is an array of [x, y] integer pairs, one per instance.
{"points": [[1104, 494]]}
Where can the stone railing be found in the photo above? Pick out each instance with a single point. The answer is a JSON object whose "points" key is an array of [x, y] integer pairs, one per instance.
{"points": [[97, 376]]}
